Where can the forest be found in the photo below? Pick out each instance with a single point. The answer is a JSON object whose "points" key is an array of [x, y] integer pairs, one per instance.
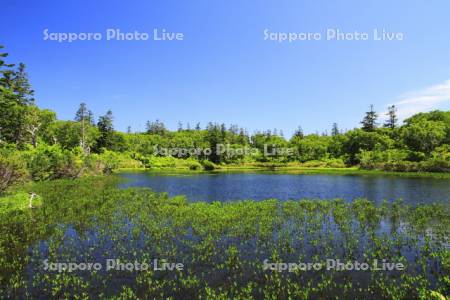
{"points": [[35, 145]]}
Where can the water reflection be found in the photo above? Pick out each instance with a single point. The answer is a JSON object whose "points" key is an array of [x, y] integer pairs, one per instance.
{"points": [[259, 186]]}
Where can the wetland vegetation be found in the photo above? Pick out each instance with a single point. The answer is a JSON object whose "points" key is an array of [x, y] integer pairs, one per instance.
{"points": [[221, 245]]}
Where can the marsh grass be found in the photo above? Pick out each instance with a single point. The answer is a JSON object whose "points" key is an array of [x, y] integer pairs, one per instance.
{"points": [[222, 245]]}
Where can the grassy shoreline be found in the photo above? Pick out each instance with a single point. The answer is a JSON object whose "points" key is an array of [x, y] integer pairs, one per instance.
{"points": [[290, 170]]}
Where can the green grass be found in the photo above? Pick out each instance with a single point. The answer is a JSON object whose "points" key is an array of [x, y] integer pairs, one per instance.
{"points": [[293, 170], [18, 201]]}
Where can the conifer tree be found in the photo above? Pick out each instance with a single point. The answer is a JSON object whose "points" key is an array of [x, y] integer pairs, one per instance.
{"points": [[369, 123]]}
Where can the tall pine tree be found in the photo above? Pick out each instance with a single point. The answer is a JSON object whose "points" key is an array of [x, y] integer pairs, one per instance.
{"points": [[335, 130], [15, 97], [106, 129], [369, 123], [85, 117], [391, 121]]}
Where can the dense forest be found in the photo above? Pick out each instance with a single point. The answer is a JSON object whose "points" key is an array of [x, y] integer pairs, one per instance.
{"points": [[35, 145]]}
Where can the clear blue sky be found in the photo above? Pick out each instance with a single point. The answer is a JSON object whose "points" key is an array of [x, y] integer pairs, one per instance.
{"points": [[224, 70]]}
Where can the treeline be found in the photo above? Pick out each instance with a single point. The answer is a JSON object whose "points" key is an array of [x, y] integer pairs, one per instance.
{"points": [[35, 144]]}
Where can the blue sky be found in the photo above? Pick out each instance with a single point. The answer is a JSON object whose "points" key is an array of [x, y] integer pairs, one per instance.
{"points": [[224, 70]]}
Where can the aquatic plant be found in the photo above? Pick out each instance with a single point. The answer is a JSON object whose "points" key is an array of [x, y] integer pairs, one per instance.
{"points": [[222, 246]]}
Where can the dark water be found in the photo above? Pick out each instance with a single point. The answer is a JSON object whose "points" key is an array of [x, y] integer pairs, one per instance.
{"points": [[259, 186]]}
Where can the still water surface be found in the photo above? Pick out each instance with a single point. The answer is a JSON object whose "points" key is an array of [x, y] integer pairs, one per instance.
{"points": [[259, 186]]}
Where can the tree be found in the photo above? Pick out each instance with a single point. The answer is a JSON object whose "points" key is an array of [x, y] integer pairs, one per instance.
{"points": [[435, 115], [243, 138], [37, 122], [21, 86], [15, 95], [85, 117], [67, 134], [424, 136], [6, 71], [215, 136], [369, 123], [299, 132], [391, 121], [156, 127], [83, 113], [358, 140], [335, 130], [106, 130], [311, 147]]}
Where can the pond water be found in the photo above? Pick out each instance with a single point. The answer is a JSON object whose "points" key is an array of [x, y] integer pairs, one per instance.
{"points": [[258, 186], [224, 246]]}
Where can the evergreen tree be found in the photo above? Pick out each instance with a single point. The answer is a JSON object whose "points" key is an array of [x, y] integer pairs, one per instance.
{"points": [[299, 132], [243, 137], [391, 121], [84, 114], [22, 87], [223, 132], [215, 136], [6, 70], [369, 123], [106, 129], [335, 129], [15, 96], [84, 117], [156, 127]]}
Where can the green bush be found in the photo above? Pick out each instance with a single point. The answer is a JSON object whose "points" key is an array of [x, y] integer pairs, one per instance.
{"points": [[335, 163], [192, 164], [435, 165], [52, 162], [208, 165], [12, 168]]}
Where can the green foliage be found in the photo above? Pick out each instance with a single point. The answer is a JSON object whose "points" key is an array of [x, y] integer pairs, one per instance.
{"points": [[311, 147], [392, 119], [369, 123], [208, 165], [424, 135], [18, 201], [421, 143], [359, 140], [106, 129], [12, 167], [52, 162]]}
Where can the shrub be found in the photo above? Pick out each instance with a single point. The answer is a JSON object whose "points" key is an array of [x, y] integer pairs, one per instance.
{"points": [[51, 162], [435, 165], [314, 164], [158, 162], [12, 169], [208, 165], [193, 164], [335, 163]]}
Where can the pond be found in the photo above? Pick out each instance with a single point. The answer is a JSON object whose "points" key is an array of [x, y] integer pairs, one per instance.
{"points": [[259, 186], [232, 248]]}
